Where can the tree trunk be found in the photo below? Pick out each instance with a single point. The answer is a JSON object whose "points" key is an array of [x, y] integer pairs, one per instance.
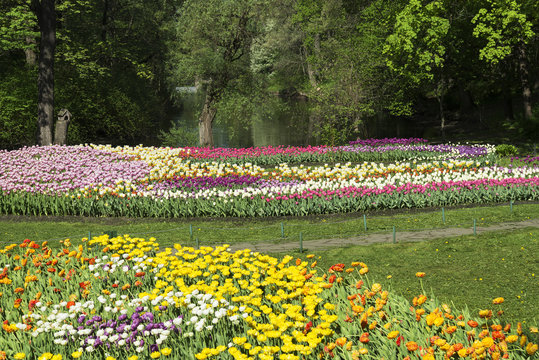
{"points": [[47, 24], [205, 122], [526, 90], [313, 128], [104, 21], [466, 103], [442, 116], [508, 107], [30, 54], [439, 92], [310, 71]]}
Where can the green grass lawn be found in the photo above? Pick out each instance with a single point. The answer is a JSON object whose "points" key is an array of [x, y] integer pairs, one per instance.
{"points": [[213, 231], [466, 271]]}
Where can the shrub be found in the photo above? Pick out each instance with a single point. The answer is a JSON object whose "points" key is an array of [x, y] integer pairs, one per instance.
{"points": [[506, 150]]}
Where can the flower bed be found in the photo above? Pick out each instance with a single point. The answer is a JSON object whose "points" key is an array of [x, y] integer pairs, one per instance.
{"points": [[163, 182], [367, 150], [122, 298]]}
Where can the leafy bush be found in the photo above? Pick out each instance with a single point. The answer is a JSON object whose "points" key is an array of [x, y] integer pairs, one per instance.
{"points": [[506, 150], [178, 137]]}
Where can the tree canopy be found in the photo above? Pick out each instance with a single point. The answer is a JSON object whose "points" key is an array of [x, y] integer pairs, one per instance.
{"points": [[362, 67]]}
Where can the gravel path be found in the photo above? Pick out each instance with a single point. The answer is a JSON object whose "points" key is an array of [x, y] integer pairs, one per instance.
{"points": [[401, 236]]}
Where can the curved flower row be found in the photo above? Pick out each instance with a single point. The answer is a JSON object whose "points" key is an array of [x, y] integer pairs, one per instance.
{"points": [[60, 178], [123, 298], [388, 141], [400, 149]]}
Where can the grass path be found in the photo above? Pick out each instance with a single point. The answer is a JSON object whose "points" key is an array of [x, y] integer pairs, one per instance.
{"points": [[367, 239]]}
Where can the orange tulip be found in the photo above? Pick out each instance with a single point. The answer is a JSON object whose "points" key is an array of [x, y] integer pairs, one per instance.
{"points": [[364, 338], [411, 346], [341, 341]]}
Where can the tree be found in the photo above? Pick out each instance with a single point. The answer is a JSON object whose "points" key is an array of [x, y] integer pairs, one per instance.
{"points": [[18, 29], [213, 45], [111, 76], [506, 31], [417, 49], [21, 21], [46, 17]]}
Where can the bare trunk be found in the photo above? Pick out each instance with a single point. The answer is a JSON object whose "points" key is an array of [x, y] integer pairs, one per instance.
{"points": [[466, 103], [440, 99], [311, 70], [313, 128], [508, 107], [104, 21], [45, 107], [526, 90], [312, 78], [440, 91], [205, 122], [30, 54], [62, 124], [314, 117]]}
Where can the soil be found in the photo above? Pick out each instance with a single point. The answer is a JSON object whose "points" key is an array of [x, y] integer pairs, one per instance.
{"points": [[375, 238]]}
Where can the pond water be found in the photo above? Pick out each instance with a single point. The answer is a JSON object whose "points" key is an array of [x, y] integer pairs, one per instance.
{"points": [[276, 122]]}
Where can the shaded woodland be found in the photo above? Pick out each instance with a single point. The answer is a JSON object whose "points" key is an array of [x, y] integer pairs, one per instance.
{"points": [[436, 69]]}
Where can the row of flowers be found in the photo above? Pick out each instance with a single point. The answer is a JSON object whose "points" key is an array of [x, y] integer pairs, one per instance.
{"points": [[124, 298], [144, 181], [372, 150]]}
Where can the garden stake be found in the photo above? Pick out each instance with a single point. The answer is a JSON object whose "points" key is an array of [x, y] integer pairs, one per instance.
{"points": [[443, 215], [282, 230], [89, 235], [474, 227], [198, 245], [191, 232], [511, 205], [365, 222], [394, 235], [300, 242]]}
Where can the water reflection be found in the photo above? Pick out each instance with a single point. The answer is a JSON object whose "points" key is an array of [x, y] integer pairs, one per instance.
{"points": [[274, 122]]}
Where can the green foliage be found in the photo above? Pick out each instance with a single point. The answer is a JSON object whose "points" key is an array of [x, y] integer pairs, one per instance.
{"points": [[358, 64], [417, 48], [17, 25], [506, 150], [178, 136], [18, 110], [502, 26], [212, 39], [123, 112], [110, 77], [38, 204]]}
